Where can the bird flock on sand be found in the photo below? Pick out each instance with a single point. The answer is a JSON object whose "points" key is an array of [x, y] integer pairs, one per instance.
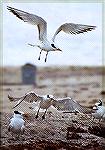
{"points": [[17, 123], [44, 102]]}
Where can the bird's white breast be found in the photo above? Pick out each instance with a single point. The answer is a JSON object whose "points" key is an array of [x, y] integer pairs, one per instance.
{"points": [[100, 112], [16, 124], [45, 45]]}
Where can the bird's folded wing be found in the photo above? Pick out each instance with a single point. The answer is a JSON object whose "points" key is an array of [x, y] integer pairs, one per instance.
{"points": [[32, 19], [72, 28]]}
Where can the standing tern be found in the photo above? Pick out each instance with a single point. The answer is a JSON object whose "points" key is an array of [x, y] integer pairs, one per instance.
{"points": [[44, 44], [99, 110], [17, 123]]}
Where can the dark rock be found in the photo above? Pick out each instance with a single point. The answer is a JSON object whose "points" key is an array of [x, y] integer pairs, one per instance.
{"points": [[102, 92], [98, 130]]}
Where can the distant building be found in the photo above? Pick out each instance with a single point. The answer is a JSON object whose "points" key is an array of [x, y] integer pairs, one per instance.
{"points": [[28, 74]]}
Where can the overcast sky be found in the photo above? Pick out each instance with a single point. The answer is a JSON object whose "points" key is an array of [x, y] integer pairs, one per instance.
{"points": [[81, 49]]}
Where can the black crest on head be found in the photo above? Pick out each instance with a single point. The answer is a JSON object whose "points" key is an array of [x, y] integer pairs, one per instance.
{"points": [[48, 96], [16, 112], [53, 45], [100, 103]]}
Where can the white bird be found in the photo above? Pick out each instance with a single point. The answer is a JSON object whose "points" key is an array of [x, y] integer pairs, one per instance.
{"points": [[17, 123], [44, 102], [99, 110], [44, 44]]}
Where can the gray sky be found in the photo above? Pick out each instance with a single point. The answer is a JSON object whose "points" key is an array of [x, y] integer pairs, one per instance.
{"points": [[81, 49]]}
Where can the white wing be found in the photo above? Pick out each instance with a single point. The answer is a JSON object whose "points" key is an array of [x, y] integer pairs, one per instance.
{"points": [[29, 97], [68, 104], [72, 28], [32, 19]]}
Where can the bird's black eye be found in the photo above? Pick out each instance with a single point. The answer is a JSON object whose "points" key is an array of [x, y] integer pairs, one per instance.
{"points": [[53, 45]]}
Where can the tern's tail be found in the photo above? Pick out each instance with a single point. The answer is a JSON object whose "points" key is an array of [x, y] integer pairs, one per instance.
{"points": [[31, 45]]}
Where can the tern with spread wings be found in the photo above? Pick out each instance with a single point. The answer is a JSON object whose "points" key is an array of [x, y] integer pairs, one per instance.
{"points": [[63, 104], [44, 44], [44, 101]]}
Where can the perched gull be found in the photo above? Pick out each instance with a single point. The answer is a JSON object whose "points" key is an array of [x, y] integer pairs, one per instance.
{"points": [[44, 44], [99, 110], [44, 102], [17, 123]]}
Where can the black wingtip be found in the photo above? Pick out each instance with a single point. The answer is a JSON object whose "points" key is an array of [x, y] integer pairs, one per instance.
{"points": [[92, 28], [9, 8], [15, 12], [10, 98]]}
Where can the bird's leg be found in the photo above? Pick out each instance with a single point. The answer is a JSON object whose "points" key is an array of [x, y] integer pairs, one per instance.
{"points": [[37, 113], [93, 118], [40, 55], [18, 137], [12, 136], [9, 129], [46, 57], [100, 118], [43, 117]]}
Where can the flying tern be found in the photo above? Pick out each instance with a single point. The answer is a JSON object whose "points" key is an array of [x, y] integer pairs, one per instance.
{"points": [[44, 44]]}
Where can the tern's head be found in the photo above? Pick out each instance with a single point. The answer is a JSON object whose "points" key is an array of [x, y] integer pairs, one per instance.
{"points": [[55, 48], [17, 112], [20, 114], [50, 96], [46, 97], [99, 103]]}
